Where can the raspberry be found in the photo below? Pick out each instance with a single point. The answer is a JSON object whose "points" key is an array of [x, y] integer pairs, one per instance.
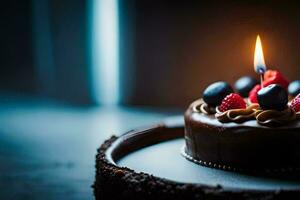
{"points": [[232, 101], [253, 94], [295, 104], [275, 77]]}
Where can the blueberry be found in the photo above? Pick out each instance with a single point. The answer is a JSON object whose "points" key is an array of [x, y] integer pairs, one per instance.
{"points": [[272, 97], [244, 85], [294, 88], [216, 92]]}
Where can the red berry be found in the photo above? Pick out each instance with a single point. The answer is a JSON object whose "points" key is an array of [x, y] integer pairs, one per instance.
{"points": [[275, 77], [232, 101], [295, 104], [253, 94]]}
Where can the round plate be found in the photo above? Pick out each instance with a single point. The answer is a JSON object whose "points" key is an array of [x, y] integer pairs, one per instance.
{"points": [[147, 164]]}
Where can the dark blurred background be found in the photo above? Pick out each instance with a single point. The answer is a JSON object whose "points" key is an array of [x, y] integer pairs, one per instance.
{"points": [[73, 72], [167, 51]]}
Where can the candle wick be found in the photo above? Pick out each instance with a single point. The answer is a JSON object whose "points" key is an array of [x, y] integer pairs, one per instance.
{"points": [[261, 71]]}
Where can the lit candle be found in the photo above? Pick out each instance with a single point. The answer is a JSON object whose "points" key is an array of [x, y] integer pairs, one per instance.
{"points": [[259, 61]]}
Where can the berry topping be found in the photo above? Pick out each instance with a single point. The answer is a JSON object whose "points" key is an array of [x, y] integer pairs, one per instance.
{"points": [[253, 94], [275, 77], [216, 92], [232, 101], [244, 85], [294, 88], [295, 104], [272, 97]]}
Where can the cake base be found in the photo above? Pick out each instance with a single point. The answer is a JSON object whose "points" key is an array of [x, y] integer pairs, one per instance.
{"points": [[116, 182]]}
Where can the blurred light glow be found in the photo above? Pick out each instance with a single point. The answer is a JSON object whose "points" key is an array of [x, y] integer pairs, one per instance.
{"points": [[105, 51]]}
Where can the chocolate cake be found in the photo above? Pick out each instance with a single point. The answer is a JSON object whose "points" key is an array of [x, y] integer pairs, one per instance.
{"points": [[240, 145], [256, 133]]}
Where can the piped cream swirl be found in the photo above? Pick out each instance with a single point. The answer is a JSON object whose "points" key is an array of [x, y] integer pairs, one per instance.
{"points": [[238, 115], [269, 118], [276, 118], [202, 107]]}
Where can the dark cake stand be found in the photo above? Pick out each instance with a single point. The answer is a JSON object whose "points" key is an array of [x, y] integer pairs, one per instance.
{"points": [[146, 164]]}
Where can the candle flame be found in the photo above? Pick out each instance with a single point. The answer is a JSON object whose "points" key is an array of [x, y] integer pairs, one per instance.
{"points": [[259, 61]]}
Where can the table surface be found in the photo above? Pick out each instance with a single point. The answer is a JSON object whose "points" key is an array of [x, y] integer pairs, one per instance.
{"points": [[48, 150]]}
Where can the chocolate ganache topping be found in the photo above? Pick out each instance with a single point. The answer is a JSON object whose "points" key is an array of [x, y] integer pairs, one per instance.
{"points": [[269, 118]]}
